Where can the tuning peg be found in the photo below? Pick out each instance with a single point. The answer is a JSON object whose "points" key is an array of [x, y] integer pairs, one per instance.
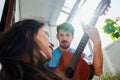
{"points": [[104, 13]]}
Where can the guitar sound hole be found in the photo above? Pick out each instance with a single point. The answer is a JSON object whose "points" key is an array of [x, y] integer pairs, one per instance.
{"points": [[69, 72]]}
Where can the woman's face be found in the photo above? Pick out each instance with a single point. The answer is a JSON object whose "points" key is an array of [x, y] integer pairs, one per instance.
{"points": [[45, 46]]}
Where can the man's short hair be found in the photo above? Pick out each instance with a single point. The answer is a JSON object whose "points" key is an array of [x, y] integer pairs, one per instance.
{"points": [[68, 27]]}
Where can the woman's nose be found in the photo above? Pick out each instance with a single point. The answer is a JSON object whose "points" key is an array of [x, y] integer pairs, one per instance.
{"points": [[51, 43]]}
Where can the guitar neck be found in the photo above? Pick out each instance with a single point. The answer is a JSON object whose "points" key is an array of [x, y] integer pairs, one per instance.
{"points": [[94, 20], [102, 6], [81, 46]]}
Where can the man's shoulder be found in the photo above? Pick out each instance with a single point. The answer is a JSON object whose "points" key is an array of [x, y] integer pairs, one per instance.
{"points": [[72, 50], [56, 50]]}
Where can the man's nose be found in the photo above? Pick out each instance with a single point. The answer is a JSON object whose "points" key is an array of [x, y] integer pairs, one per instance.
{"points": [[64, 38]]}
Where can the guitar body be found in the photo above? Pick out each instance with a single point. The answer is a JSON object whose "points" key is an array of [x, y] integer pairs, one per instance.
{"points": [[82, 70]]}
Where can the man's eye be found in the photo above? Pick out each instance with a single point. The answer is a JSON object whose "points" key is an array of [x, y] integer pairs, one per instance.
{"points": [[61, 35], [68, 35]]}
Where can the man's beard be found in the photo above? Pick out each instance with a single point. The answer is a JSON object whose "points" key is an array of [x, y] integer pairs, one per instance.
{"points": [[64, 47]]}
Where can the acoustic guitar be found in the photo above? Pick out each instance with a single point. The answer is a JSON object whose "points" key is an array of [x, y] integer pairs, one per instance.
{"points": [[72, 65]]}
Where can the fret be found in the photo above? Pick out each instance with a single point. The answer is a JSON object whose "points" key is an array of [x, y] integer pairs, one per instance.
{"points": [[76, 57]]}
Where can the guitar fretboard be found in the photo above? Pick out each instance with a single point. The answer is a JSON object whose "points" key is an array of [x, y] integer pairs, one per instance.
{"points": [[82, 44], [76, 57]]}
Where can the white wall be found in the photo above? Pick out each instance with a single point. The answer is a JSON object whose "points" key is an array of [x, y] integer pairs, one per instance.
{"points": [[47, 9], [1, 7], [2, 2], [112, 57], [17, 11]]}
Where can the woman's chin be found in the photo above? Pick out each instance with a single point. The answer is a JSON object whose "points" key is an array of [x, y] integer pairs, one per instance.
{"points": [[45, 55]]}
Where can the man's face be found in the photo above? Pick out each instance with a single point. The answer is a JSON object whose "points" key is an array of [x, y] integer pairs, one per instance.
{"points": [[64, 39]]}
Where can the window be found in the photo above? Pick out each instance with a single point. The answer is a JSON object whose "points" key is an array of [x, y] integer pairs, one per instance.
{"points": [[68, 5]]}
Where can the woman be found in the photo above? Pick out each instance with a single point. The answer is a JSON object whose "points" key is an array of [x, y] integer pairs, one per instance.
{"points": [[23, 50]]}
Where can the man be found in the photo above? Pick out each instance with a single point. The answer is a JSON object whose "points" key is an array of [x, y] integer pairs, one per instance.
{"points": [[65, 34]]}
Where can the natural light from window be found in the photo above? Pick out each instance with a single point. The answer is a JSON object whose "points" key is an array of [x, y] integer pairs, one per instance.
{"points": [[85, 14]]}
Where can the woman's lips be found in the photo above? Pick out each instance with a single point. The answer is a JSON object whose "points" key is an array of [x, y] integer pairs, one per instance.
{"points": [[47, 55], [51, 48], [43, 53]]}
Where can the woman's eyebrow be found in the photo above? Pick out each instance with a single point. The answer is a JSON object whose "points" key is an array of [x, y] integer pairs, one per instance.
{"points": [[46, 32]]}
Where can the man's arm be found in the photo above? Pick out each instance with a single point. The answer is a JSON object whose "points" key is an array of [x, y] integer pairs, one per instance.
{"points": [[98, 59], [97, 53]]}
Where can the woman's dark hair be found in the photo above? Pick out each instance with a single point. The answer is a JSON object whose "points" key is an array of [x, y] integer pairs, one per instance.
{"points": [[16, 41]]}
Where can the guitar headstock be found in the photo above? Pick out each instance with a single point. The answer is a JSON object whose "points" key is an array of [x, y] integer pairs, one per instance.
{"points": [[102, 7]]}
